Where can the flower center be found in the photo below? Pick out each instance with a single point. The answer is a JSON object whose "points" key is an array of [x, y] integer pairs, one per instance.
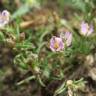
{"points": [[56, 45]]}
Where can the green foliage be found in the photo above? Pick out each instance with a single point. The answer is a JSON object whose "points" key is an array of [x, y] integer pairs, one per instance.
{"points": [[75, 85], [76, 4]]}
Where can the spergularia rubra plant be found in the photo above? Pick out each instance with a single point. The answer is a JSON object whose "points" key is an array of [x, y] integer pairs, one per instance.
{"points": [[59, 43], [4, 18], [56, 44], [86, 30]]}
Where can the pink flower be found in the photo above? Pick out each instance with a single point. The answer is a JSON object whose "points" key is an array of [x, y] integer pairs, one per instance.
{"points": [[86, 30], [56, 44], [67, 38], [4, 18]]}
